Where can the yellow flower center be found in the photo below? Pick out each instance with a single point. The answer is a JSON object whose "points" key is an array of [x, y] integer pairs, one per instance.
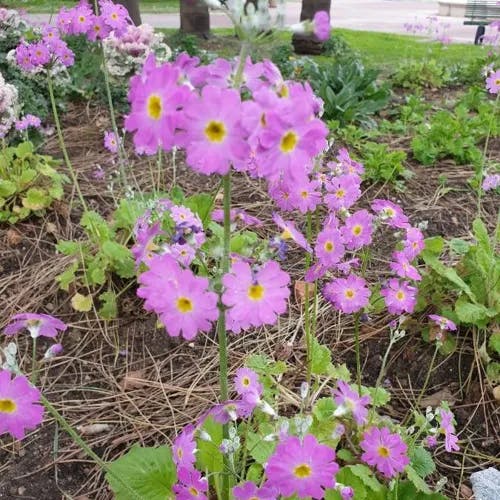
{"points": [[283, 91], [400, 295], [180, 453], [263, 121], [302, 471], [114, 16], [97, 28], [286, 235], [383, 451], [304, 194], [256, 292], [81, 19], [349, 293], [289, 141], [340, 193], [390, 212], [497, 81], [7, 406], [154, 106], [193, 491], [245, 381], [329, 246], [215, 131], [357, 230], [184, 305]]}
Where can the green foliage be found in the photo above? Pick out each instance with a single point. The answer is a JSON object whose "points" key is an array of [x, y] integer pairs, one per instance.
{"points": [[29, 183], [469, 289], [425, 73], [381, 164], [456, 134], [350, 92], [143, 473]]}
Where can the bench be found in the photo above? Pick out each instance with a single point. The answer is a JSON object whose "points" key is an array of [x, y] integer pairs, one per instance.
{"points": [[481, 13]]}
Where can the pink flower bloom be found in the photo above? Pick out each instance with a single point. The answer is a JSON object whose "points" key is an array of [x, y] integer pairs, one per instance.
{"points": [[493, 82], [414, 242], [254, 298], [343, 191], [491, 182], [183, 254], [23, 57], [181, 299], [348, 400], [290, 232], [98, 29], [346, 492], [385, 451], [81, 19], [145, 247], [448, 429], [306, 196], [214, 136], [303, 468], [315, 272], [443, 323], [391, 213], [247, 381], [399, 296], [321, 24], [402, 267], [237, 215], [53, 351], [19, 408], [348, 294], [281, 193], [155, 98], [250, 491], [232, 410], [40, 54], [430, 441], [37, 324], [184, 447], [358, 230], [110, 141], [348, 165], [115, 16], [191, 485], [329, 247], [28, 121]]}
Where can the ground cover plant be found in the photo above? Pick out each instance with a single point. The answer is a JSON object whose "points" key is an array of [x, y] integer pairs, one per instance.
{"points": [[241, 297]]}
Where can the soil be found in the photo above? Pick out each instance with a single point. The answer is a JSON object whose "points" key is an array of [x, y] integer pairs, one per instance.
{"points": [[145, 386]]}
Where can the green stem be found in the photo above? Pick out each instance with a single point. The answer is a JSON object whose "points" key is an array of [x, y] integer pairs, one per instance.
{"points": [[358, 355], [34, 364], [86, 448], [62, 143], [483, 159], [428, 376], [307, 318]]}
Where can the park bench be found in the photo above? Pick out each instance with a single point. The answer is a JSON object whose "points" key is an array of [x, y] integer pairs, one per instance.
{"points": [[481, 13]]}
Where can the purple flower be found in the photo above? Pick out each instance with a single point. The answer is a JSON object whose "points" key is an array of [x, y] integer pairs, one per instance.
{"points": [[385, 451], [254, 298], [491, 182], [110, 141], [414, 242], [443, 323], [53, 351], [191, 485], [348, 400], [247, 381], [448, 429], [19, 408], [232, 410], [37, 324], [321, 25], [237, 215], [250, 491], [145, 247], [346, 492], [344, 191], [493, 82], [303, 468], [115, 16], [183, 254], [358, 230], [290, 232], [329, 247], [390, 212], [184, 447], [402, 267], [399, 296], [348, 294]]}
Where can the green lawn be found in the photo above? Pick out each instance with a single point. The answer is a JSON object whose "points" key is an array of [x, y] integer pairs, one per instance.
{"points": [[49, 6]]}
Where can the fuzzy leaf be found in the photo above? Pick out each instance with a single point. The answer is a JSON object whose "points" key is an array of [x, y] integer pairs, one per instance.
{"points": [[421, 461], [417, 481], [109, 307], [494, 343], [321, 358], [149, 472], [208, 456], [366, 475], [81, 303], [35, 199]]}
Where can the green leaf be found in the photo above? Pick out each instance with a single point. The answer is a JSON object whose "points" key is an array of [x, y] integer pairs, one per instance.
{"points": [[323, 409], [254, 473], [366, 475], [379, 395], [149, 472], [471, 313], [36, 199], [177, 195], [417, 481], [97, 228], [68, 247], [422, 462], [81, 303], [68, 276], [109, 307], [7, 188], [259, 449], [116, 252], [321, 358], [494, 343], [346, 455], [460, 247], [434, 245], [407, 491], [201, 204], [493, 371], [481, 234], [24, 149], [208, 456]]}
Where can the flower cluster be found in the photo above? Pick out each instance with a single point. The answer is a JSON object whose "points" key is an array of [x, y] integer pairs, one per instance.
{"points": [[8, 106], [126, 53], [28, 121], [493, 82]]}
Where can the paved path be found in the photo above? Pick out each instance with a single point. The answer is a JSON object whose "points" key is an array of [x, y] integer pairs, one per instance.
{"points": [[372, 15]]}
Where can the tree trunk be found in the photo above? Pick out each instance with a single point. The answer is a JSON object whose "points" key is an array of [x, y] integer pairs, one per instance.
{"points": [[195, 18], [308, 43], [133, 10]]}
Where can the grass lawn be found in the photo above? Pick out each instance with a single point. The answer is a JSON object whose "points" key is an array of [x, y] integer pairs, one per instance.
{"points": [[54, 5], [381, 50]]}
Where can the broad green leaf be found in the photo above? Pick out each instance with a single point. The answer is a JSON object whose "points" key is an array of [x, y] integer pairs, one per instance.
{"points": [[24, 149], [346, 455], [115, 251], [472, 313], [379, 395], [493, 371], [323, 409], [422, 462], [459, 246], [68, 247], [208, 456], [35, 199], [150, 473], [259, 449], [481, 234], [321, 358], [81, 303], [254, 473], [201, 204], [407, 491], [68, 276], [494, 343], [109, 307], [7, 188], [97, 228], [434, 245], [366, 475], [417, 481]]}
